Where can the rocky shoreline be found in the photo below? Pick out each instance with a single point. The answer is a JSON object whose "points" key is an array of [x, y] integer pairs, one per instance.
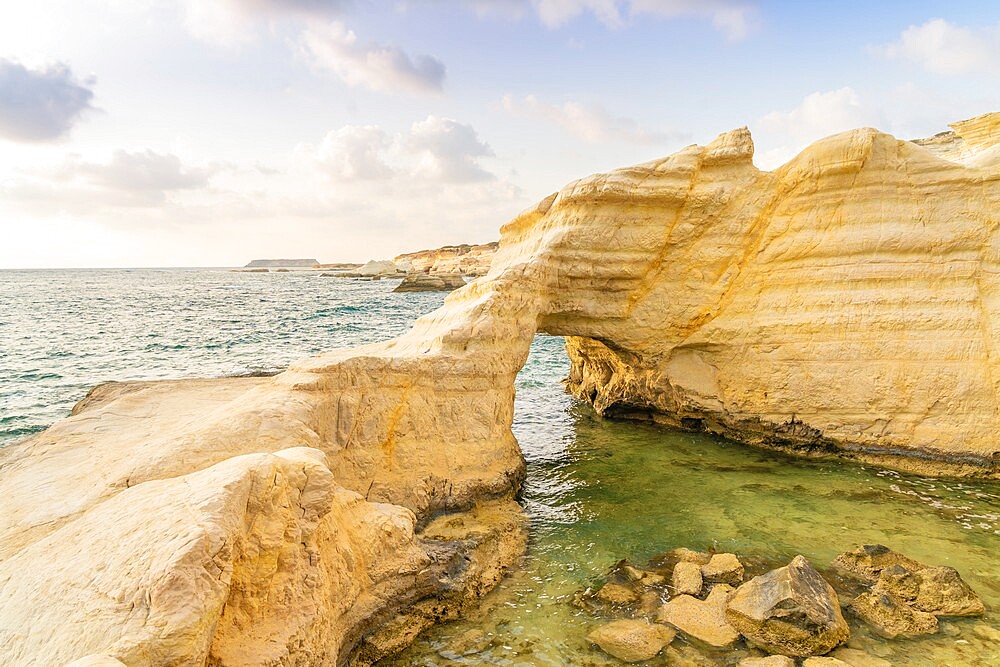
{"points": [[724, 615], [283, 520]]}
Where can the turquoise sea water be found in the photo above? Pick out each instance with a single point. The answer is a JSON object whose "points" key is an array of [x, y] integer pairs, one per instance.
{"points": [[597, 491]]}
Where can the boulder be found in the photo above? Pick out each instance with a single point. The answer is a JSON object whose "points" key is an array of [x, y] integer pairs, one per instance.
{"points": [[631, 640], [704, 620], [430, 282], [942, 591], [686, 578], [892, 617], [868, 561], [723, 568], [937, 590], [791, 610]]}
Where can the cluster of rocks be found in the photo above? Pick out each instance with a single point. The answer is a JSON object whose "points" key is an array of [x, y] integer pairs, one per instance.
{"points": [[771, 619], [904, 598]]}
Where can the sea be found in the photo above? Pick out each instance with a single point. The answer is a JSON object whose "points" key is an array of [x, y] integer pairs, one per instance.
{"points": [[597, 491]]}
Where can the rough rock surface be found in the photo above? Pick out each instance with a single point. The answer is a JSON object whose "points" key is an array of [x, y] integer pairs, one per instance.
{"points": [[723, 568], [630, 640], [419, 281], [687, 578], [891, 616], [867, 561], [937, 590], [841, 304], [705, 620], [791, 610]]}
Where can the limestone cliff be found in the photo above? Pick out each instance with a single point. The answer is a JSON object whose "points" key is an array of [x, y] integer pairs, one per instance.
{"points": [[468, 260], [843, 303]]}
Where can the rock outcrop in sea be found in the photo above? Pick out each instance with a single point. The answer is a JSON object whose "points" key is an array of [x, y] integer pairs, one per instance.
{"points": [[418, 281], [839, 305], [465, 259]]}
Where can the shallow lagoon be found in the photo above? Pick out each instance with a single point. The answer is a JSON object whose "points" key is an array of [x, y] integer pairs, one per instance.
{"points": [[598, 491]]}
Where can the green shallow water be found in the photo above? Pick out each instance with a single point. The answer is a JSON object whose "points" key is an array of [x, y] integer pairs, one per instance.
{"points": [[598, 491]]}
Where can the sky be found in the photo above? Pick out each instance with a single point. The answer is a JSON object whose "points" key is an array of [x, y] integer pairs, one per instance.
{"points": [[212, 132]]}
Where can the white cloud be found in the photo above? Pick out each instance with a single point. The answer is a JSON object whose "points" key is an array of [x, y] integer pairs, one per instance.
{"points": [[355, 153], [234, 23], [448, 150], [592, 124], [40, 104], [734, 18], [780, 135], [945, 48], [437, 149], [331, 46], [127, 179]]}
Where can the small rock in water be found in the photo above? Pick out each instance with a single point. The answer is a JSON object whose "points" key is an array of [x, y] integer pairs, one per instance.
{"points": [[986, 632], [769, 661], [631, 640], [892, 617], [686, 655], [791, 610], [686, 578], [723, 568], [823, 661], [705, 620], [856, 658], [617, 594]]}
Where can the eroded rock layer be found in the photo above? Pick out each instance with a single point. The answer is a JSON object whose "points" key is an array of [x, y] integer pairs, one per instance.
{"points": [[843, 303]]}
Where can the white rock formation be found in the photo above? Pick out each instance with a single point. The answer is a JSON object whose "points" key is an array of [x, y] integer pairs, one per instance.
{"points": [[842, 303]]}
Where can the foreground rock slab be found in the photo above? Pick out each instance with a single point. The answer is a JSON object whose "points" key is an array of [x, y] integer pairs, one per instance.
{"points": [[791, 610], [704, 620], [632, 640]]}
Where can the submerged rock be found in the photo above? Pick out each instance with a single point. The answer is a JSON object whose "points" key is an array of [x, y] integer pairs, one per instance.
{"points": [[791, 610], [858, 658], [616, 594], [704, 620], [686, 578], [823, 661], [632, 640], [768, 661], [430, 282], [892, 617], [685, 655]]}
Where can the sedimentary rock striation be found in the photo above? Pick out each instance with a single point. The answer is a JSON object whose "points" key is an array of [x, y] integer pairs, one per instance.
{"points": [[842, 304], [465, 259]]}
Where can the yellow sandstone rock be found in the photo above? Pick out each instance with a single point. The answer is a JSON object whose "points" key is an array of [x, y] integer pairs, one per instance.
{"points": [[842, 304]]}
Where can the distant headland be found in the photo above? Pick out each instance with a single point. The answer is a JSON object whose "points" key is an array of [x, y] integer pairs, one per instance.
{"points": [[289, 263]]}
